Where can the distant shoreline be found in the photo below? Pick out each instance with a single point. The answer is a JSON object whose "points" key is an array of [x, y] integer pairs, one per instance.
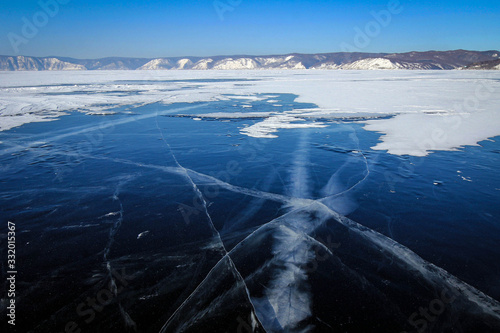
{"points": [[430, 60]]}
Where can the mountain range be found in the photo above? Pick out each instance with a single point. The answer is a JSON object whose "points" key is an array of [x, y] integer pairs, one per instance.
{"points": [[487, 65], [436, 60]]}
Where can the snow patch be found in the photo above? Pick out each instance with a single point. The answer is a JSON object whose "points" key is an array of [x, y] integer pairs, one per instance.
{"points": [[430, 110], [268, 126], [419, 134]]}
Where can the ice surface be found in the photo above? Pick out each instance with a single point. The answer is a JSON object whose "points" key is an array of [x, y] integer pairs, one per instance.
{"points": [[278, 291], [129, 323], [261, 269], [434, 110]]}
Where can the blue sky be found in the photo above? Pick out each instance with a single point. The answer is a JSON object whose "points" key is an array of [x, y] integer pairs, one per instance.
{"points": [[153, 28]]}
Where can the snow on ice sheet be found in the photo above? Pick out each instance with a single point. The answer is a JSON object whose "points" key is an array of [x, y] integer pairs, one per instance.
{"points": [[468, 110], [277, 293]]}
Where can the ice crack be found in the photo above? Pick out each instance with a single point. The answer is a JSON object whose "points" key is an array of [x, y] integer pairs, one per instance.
{"points": [[214, 229]]}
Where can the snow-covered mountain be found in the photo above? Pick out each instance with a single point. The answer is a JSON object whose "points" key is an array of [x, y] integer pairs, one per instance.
{"points": [[157, 64], [371, 64], [22, 63], [163, 63], [457, 59], [484, 65], [241, 63]]}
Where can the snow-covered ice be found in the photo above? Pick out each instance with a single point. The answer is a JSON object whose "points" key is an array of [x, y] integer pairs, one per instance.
{"points": [[468, 110], [272, 124], [253, 199]]}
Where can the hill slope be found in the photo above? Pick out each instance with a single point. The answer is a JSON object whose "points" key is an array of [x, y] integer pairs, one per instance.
{"points": [[341, 60]]}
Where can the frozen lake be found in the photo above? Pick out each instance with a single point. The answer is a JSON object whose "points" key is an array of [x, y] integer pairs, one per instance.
{"points": [[259, 201]]}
